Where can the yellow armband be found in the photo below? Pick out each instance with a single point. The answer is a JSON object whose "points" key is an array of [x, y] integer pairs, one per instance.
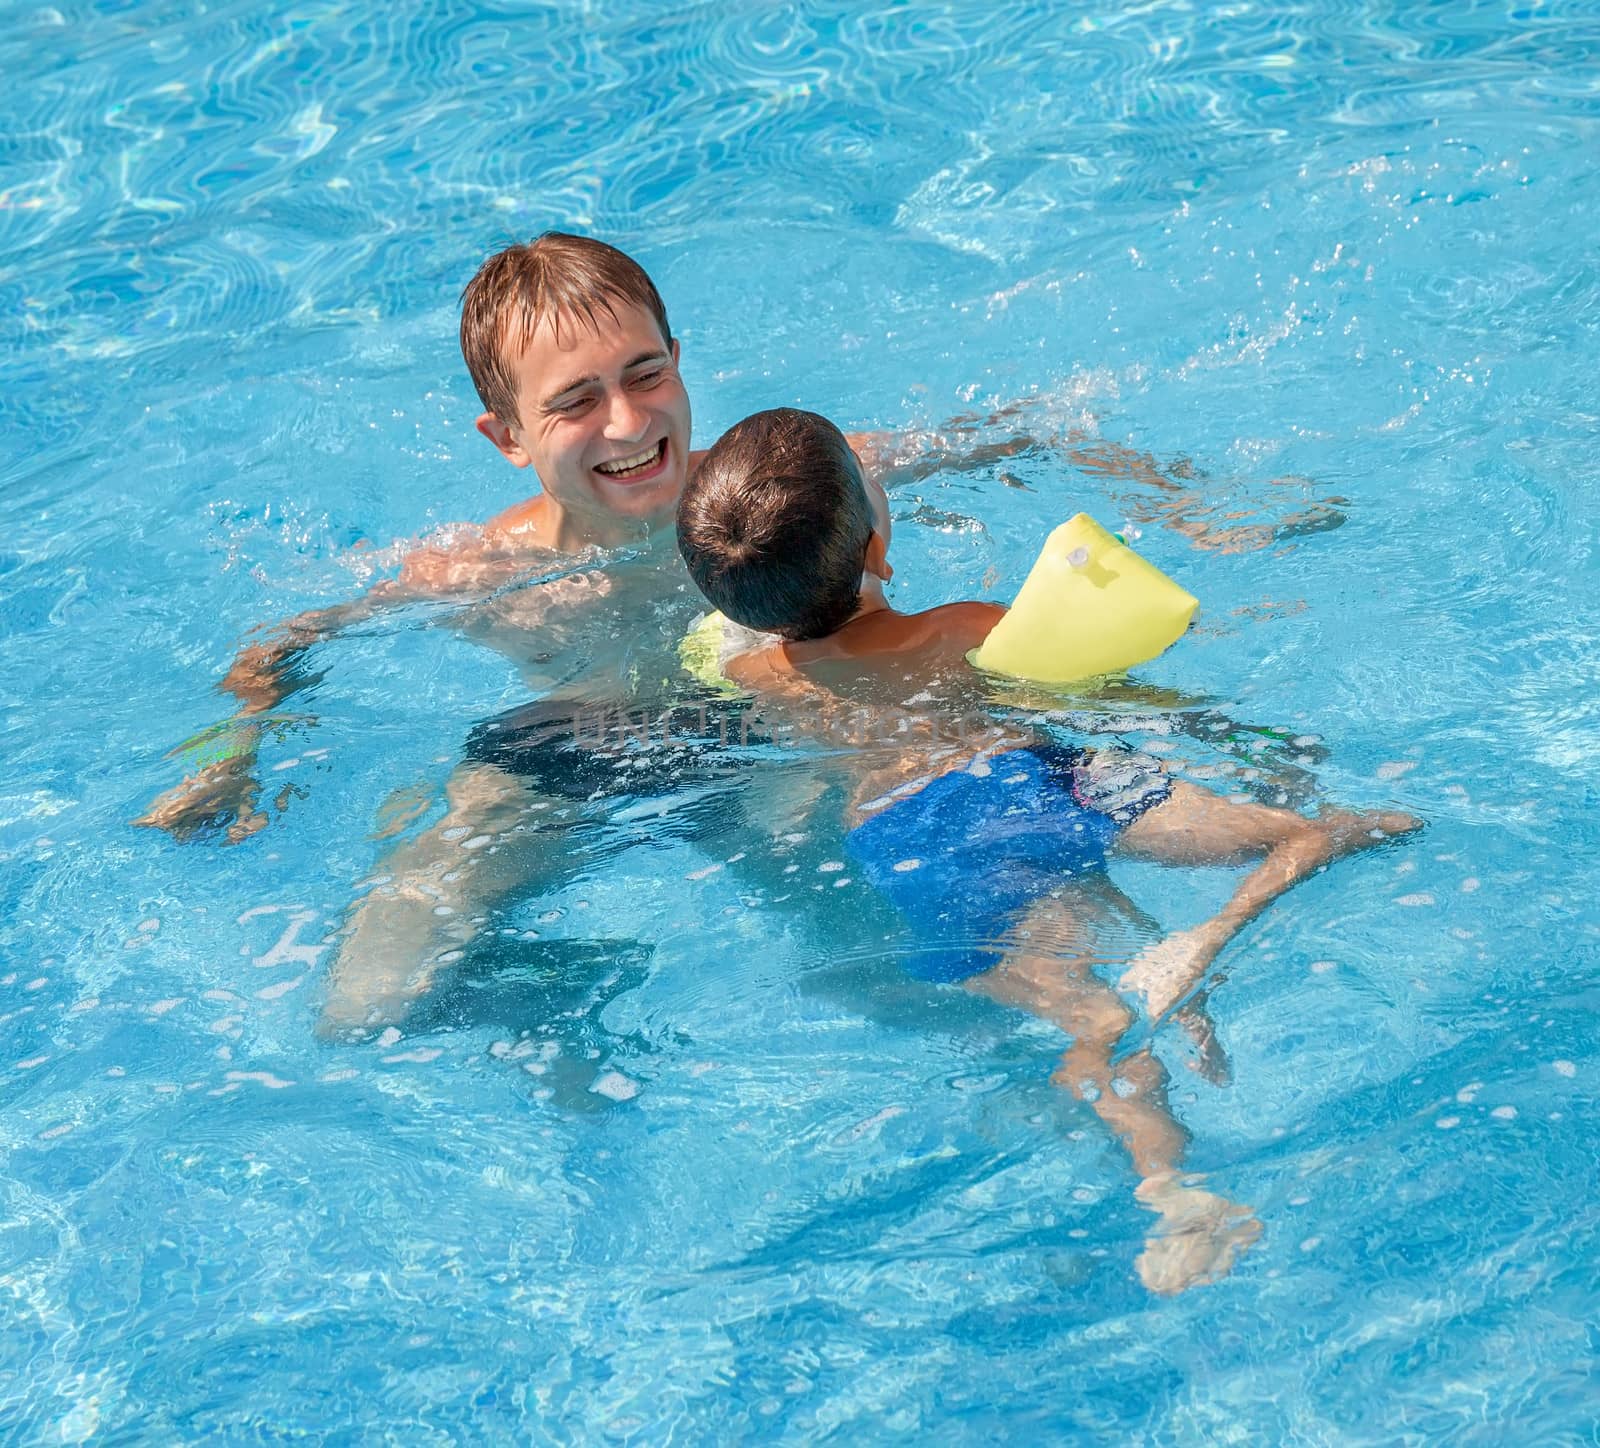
{"points": [[1090, 606]]}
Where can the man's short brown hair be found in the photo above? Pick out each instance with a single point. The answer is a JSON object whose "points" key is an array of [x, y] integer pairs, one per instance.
{"points": [[774, 524], [569, 280]]}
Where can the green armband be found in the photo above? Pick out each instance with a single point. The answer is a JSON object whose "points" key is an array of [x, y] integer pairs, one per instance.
{"points": [[230, 739]]}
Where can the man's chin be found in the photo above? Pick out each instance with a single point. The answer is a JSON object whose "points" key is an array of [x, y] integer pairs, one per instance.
{"points": [[655, 497]]}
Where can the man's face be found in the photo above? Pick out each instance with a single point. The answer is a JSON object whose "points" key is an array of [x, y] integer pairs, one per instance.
{"points": [[602, 417]]}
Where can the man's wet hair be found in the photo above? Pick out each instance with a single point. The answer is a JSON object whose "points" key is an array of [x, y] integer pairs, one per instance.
{"points": [[774, 525], [569, 280]]}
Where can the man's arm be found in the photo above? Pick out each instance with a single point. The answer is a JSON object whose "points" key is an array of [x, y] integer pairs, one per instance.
{"points": [[221, 791], [897, 459], [1172, 495]]}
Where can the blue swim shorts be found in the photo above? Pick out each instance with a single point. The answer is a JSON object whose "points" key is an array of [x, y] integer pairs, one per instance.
{"points": [[965, 855]]}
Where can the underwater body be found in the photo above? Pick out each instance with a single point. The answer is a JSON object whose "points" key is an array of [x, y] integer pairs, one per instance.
{"points": [[1305, 300]]}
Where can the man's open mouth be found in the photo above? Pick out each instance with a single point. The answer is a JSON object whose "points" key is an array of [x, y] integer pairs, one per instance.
{"points": [[635, 466]]}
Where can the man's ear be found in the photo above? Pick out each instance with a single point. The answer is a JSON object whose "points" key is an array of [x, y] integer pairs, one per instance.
{"points": [[499, 433], [877, 560], [672, 347]]}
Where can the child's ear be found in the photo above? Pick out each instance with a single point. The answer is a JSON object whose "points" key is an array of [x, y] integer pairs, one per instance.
{"points": [[877, 560]]}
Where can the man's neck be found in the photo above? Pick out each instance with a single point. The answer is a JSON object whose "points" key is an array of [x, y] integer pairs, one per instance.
{"points": [[542, 522]]}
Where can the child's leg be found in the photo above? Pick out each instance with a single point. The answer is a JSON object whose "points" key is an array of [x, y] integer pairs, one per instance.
{"points": [[1196, 827], [1049, 973]]}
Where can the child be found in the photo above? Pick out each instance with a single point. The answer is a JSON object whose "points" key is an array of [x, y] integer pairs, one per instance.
{"points": [[992, 831]]}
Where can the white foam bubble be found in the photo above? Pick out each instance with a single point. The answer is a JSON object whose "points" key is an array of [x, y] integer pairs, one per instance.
{"points": [[264, 1078], [420, 1056], [614, 1086]]}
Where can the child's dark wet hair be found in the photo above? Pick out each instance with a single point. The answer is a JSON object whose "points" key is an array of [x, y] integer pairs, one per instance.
{"points": [[774, 524]]}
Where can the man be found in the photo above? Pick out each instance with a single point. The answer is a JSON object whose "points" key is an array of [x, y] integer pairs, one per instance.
{"points": [[568, 344]]}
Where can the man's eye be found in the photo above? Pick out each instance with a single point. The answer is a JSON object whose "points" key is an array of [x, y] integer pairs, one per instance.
{"points": [[648, 379], [571, 409]]}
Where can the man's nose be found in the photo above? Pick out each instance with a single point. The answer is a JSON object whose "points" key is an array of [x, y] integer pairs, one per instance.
{"points": [[626, 420]]}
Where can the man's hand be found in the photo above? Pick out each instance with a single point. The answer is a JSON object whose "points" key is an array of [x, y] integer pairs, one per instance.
{"points": [[222, 795], [898, 458], [256, 677]]}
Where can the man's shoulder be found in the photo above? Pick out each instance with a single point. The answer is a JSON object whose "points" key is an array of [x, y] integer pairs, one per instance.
{"points": [[522, 525], [467, 556]]}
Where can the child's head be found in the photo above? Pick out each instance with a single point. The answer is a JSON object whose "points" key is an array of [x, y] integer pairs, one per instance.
{"points": [[775, 525]]}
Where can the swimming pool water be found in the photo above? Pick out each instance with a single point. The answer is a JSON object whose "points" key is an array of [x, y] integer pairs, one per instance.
{"points": [[730, 1174]]}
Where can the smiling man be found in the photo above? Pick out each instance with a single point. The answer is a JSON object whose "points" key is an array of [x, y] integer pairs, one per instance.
{"points": [[569, 346], [571, 352]]}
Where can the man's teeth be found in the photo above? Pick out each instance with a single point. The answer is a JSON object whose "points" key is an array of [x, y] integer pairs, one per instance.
{"points": [[637, 463]]}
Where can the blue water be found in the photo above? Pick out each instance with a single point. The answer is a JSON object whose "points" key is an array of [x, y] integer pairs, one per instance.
{"points": [[736, 1176]]}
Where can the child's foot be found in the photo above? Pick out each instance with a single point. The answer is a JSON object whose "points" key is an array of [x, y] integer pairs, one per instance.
{"points": [[1167, 971], [1197, 1238], [1348, 831], [1210, 1061]]}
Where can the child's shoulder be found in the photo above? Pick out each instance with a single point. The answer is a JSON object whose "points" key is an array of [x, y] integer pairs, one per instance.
{"points": [[951, 629], [968, 619], [937, 634]]}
